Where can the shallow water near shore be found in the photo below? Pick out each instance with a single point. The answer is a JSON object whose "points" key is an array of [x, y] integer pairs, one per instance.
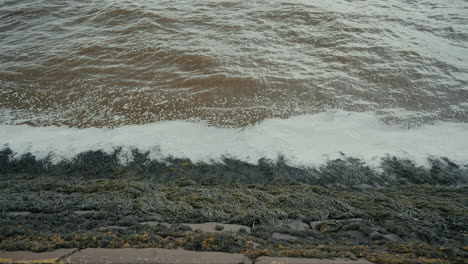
{"points": [[248, 80]]}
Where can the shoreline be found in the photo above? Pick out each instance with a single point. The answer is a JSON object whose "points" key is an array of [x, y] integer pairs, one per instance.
{"points": [[302, 141]]}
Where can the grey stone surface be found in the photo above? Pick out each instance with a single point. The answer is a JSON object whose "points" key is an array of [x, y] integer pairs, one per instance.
{"points": [[391, 237], [283, 236], [285, 260], [155, 223], [294, 224], [315, 224], [155, 217], [379, 236], [41, 257], [211, 227], [357, 235], [152, 255], [85, 212], [23, 213], [102, 228]]}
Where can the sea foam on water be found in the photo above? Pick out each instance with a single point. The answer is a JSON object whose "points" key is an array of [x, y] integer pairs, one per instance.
{"points": [[307, 140]]}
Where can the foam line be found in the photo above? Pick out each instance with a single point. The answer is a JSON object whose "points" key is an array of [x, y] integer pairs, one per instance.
{"points": [[306, 140]]}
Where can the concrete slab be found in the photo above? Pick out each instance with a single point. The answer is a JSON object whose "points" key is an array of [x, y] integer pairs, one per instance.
{"points": [[152, 255], [35, 257], [211, 227], [285, 260]]}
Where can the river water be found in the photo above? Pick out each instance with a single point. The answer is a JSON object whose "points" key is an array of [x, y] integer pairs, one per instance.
{"points": [[236, 65]]}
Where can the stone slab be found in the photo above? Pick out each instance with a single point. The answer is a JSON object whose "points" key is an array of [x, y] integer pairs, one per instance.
{"points": [[211, 227], [286, 260], [34, 257], [152, 255]]}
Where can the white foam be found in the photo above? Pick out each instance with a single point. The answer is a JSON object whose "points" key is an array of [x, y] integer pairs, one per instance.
{"points": [[303, 140]]}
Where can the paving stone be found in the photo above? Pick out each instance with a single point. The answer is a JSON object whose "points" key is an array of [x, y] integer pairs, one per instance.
{"points": [[152, 255], [285, 260], [211, 227], [34, 257]]}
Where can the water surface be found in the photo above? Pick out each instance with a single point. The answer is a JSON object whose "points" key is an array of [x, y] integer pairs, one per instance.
{"points": [[231, 63]]}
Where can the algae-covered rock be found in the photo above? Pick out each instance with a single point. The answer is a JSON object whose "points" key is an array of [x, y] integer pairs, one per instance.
{"points": [[403, 214], [283, 236], [293, 224]]}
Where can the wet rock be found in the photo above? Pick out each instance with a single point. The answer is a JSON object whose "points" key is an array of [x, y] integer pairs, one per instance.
{"points": [[212, 227], [357, 235], [102, 228], [85, 212], [379, 236], [294, 224], [376, 236], [283, 236], [316, 224], [391, 237], [152, 217], [325, 226], [378, 229], [154, 223], [23, 213]]}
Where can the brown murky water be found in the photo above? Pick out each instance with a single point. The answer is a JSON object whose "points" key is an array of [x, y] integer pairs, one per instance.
{"points": [[231, 63]]}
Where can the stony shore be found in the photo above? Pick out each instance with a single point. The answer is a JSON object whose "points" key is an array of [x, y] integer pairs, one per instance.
{"points": [[275, 212]]}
